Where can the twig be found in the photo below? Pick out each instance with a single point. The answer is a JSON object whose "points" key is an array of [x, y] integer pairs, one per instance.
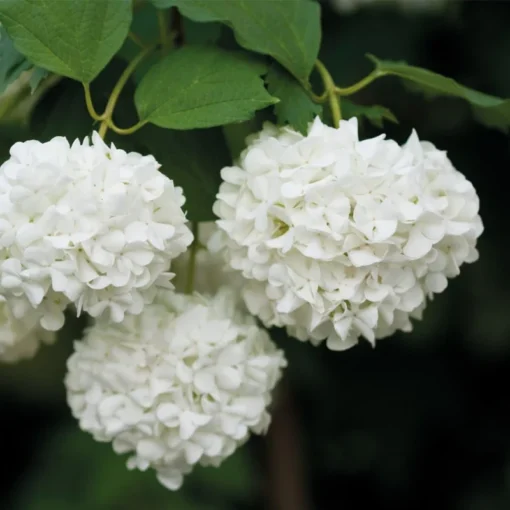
{"points": [[287, 473]]}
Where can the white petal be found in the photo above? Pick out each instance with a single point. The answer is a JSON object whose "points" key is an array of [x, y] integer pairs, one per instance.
{"points": [[418, 245]]}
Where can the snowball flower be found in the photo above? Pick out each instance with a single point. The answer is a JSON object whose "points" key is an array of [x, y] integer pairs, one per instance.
{"points": [[20, 338], [184, 382], [91, 223], [341, 238]]}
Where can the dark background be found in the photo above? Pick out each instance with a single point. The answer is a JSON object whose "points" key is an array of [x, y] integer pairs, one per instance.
{"points": [[421, 422]]}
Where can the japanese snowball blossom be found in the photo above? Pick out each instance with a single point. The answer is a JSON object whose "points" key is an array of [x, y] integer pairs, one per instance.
{"points": [[186, 381], [341, 238], [20, 338], [87, 224]]}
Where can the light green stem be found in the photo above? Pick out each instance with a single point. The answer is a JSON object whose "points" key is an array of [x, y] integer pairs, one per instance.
{"points": [[137, 40], [330, 92], [190, 283], [90, 104], [367, 80], [114, 97], [126, 131], [164, 35]]}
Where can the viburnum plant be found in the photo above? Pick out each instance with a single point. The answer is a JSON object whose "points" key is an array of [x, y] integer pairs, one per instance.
{"points": [[311, 228]]}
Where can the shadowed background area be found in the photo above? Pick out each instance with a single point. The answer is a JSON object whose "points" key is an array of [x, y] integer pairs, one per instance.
{"points": [[419, 422]]}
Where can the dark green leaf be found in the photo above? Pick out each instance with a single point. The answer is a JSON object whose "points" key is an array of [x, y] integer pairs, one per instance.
{"points": [[375, 114], [70, 463], [193, 159], [490, 110], [236, 134], [75, 38], [12, 62], [93, 471], [37, 76], [164, 4], [287, 30], [201, 33], [200, 86], [295, 107], [62, 112], [40, 379], [236, 479]]}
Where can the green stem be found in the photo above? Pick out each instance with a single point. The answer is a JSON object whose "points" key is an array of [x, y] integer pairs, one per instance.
{"points": [[126, 131], [330, 91], [137, 40], [190, 283], [315, 98], [367, 80], [114, 96], [319, 99], [90, 103], [164, 36]]}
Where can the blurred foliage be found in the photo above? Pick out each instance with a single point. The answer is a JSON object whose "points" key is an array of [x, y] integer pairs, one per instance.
{"points": [[419, 422], [85, 475]]}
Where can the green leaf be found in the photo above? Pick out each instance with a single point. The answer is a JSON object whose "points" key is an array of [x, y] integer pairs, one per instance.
{"points": [[193, 159], [287, 30], [236, 478], [68, 462], [12, 62], [75, 38], [375, 114], [199, 86], [96, 473], [62, 112], [38, 75], [295, 107], [39, 380], [201, 33], [236, 134], [490, 110]]}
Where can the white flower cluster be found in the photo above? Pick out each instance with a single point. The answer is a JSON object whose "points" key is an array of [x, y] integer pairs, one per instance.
{"points": [[184, 382], [20, 339], [341, 238], [85, 224], [329, 236], [349, 6]]}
